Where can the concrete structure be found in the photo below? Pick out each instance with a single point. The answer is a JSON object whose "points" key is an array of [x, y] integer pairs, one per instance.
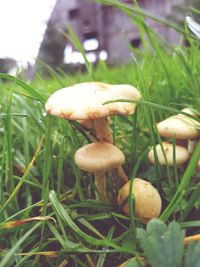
{"points": [[99, 28]]}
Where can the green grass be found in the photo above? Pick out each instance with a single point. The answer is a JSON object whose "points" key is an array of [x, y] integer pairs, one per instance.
{"points": [[39, 177]]}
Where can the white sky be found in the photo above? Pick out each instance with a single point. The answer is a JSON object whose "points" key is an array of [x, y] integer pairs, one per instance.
{"points": [[22, 25]]}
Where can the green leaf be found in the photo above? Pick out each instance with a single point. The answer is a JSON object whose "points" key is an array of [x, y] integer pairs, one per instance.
{"points": [[192, 255], [163, 246]]}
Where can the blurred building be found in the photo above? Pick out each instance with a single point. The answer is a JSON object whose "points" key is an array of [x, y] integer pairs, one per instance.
{"points": [[104, 31]]}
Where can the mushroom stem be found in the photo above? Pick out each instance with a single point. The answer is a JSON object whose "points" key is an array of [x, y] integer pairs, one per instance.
{"points": [[100, 183], [102, 129], [123, 178], [118, 174]]}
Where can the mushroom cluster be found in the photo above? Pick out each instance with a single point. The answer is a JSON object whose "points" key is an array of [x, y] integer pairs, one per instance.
{"points": [[85, 103], [185, 130]]}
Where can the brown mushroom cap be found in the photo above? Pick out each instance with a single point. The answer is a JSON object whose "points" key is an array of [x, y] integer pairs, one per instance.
{"points": [[180, 126], [182, 154], [85, 101], [147, 199], [99, 156]]}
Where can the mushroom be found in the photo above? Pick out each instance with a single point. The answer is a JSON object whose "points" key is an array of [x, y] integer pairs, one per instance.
{"points": [[147, 199], [181, 126], [181, 154], [84, 103], [185, 129], [99, 158]]}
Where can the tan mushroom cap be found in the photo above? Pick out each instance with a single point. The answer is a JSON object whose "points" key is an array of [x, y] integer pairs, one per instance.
{"points": [[99, 156], [180, 126], [85, 101], [182, 154], [147, 199]]}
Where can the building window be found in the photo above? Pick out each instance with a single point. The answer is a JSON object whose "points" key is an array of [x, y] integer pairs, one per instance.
{"points": [[73, 13], [135, 42], [90, 44]]}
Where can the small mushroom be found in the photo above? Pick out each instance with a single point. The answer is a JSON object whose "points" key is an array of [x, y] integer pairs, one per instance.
{"points": [[147, 199], [185, 129], [99, 158], [180, 126], [181, 154]]}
